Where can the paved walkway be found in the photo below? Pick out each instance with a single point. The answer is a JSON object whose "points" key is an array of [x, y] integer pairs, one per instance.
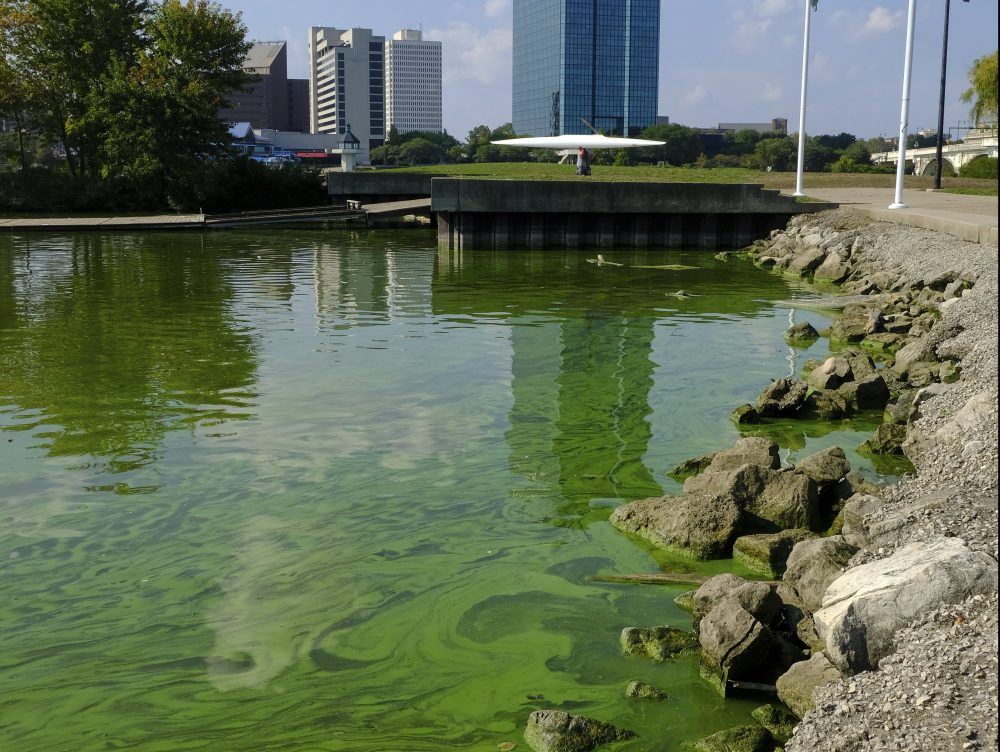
{"points": [[968, 217]]}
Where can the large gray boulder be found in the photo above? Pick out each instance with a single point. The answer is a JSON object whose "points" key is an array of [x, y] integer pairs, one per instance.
{"points": [[712, 591], [753, 450], [864, 608], [826, 468], [756, 598], [789, 500], [796, 686], [700, 525], [807, 261], [782, 398], [914, 352], [767, 553], [855, 323], [865, 393], [856, 511], [832, 373], [558, 731], [814, 564], [737, 646]]}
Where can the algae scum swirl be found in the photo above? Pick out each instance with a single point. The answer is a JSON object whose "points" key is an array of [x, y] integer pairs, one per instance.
{"points": [[310, 491]]}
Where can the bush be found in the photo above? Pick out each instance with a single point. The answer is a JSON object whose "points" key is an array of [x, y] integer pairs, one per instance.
{"points": [[980, 167]]}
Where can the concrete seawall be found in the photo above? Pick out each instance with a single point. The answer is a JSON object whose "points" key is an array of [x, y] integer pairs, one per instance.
{"points": [[503, 214]]}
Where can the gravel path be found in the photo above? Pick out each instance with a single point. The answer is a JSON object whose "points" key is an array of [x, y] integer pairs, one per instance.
{"points": [[938, 692]]}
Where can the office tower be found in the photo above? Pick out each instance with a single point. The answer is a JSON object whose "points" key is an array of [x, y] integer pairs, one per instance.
{"points": [[264, 103], [412, 82], [347, 84], [298, 105], [592, 59]]}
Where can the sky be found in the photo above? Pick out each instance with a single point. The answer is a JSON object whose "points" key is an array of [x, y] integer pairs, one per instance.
{"points": [[720, 60]]}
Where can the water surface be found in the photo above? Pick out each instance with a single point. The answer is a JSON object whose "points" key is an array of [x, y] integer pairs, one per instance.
{"points": [[300, 490]]}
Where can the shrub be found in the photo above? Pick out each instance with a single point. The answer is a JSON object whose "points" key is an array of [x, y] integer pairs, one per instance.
{"points": [[980, 167]]}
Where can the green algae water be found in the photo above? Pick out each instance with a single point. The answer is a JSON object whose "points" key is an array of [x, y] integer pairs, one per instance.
{"points": [[302, 490]]}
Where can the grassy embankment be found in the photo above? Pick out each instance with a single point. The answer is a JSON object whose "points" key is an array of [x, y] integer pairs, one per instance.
{"points": [[546, 171]]}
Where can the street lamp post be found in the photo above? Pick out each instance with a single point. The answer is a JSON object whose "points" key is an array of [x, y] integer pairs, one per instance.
{"points": [[944, 72], [802, 102], [904, 113]]}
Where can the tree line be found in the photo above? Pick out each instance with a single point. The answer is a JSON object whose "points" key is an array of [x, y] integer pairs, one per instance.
{"points": [[113, 105]]}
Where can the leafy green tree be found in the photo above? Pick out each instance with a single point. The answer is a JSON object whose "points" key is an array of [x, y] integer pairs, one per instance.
{"points": [[858, 153], [420, 151], [982, 91], [817, 155], [779, 154], [393, 136], [838, 143], [681, 144]]}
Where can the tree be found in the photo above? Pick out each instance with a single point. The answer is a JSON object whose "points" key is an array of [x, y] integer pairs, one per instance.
{"points": [[858, 153], [817, 155], [393, 136], [982, 92], [778, 154], [419, 151], [681, 144]]}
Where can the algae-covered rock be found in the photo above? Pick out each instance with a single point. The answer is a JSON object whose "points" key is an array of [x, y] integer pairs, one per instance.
{"points": [[736, 646], [712, 591], [558, 731], [789, 500], [767, 553], [888, 439], [826, 467], [701, 525], [740, 739], [777, 720], [923, 373], [828, 405], [898, 411], [658, 643], [796, 686], [801, 335], [685, 601], [746, 415], [638, 690], [885, 343], [691, 467], [833, 269], [855, 323]]}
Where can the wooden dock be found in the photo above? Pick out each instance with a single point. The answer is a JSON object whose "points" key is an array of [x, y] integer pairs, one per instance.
{"points": [[310, 214]]}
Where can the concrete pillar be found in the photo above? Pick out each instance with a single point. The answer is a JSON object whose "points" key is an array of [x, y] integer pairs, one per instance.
{"points": [[444, 236], [466, 232]]}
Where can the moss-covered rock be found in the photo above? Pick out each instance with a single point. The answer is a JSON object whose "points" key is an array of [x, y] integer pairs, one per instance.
{"points": [[699, 525], [658, 643], [558, 731], [686, 601], [777, 720], [691, 467], [638, 690], [746, 415], [888, 439], [768, 552], [739, 739], [801, 335]]}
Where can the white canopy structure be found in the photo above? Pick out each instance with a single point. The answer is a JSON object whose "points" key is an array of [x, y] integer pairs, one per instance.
{"points": [[587, 141]]}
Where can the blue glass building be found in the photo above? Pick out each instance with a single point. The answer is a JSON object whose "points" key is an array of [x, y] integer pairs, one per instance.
{"points": [[592, 59]]}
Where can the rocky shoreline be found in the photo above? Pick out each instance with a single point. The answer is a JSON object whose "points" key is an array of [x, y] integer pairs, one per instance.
{"points": [[878, 628]]}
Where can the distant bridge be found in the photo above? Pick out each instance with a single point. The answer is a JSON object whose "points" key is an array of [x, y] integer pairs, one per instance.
{"points": [[981, 142]]}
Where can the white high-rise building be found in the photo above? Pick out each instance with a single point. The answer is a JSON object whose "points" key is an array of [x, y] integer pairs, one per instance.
{"points": [[412, 82], [347, 84]]}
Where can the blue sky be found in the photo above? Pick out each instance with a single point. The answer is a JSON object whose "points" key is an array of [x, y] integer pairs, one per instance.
{"points": [[720, 60]]}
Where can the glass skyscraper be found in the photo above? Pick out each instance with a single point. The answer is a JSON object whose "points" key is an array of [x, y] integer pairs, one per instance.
{"points": [[591, 59]]}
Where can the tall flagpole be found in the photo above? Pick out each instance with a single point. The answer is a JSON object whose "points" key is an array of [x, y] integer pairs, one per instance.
{"points": [[904, 115], [802, 104]]}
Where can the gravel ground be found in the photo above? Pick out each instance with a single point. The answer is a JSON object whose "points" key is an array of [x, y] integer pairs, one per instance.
{"points": [[938, 692]]}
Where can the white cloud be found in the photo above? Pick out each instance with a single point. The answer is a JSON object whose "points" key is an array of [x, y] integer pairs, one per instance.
{"points": [[772, 93], [472, 55], [695, 96], [772, 7], [495, 8], [881, 20]]}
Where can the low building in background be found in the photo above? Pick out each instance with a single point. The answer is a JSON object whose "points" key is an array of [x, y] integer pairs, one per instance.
{"points": [[777, 125], [413, 82], [275, 147]]}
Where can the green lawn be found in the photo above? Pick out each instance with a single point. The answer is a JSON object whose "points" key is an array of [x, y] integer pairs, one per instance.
{"points": [[540, 171]]}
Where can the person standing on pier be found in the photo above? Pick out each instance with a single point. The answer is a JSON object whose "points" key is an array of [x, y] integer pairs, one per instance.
{"points": [[582, 161]]}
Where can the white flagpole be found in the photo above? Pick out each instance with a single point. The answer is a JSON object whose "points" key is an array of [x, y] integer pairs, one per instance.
{"points": [[802, 105], [904, 115]]}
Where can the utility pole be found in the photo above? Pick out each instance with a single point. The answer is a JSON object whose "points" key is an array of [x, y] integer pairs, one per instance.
{"points": [[800, 167], [944, 73]]}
